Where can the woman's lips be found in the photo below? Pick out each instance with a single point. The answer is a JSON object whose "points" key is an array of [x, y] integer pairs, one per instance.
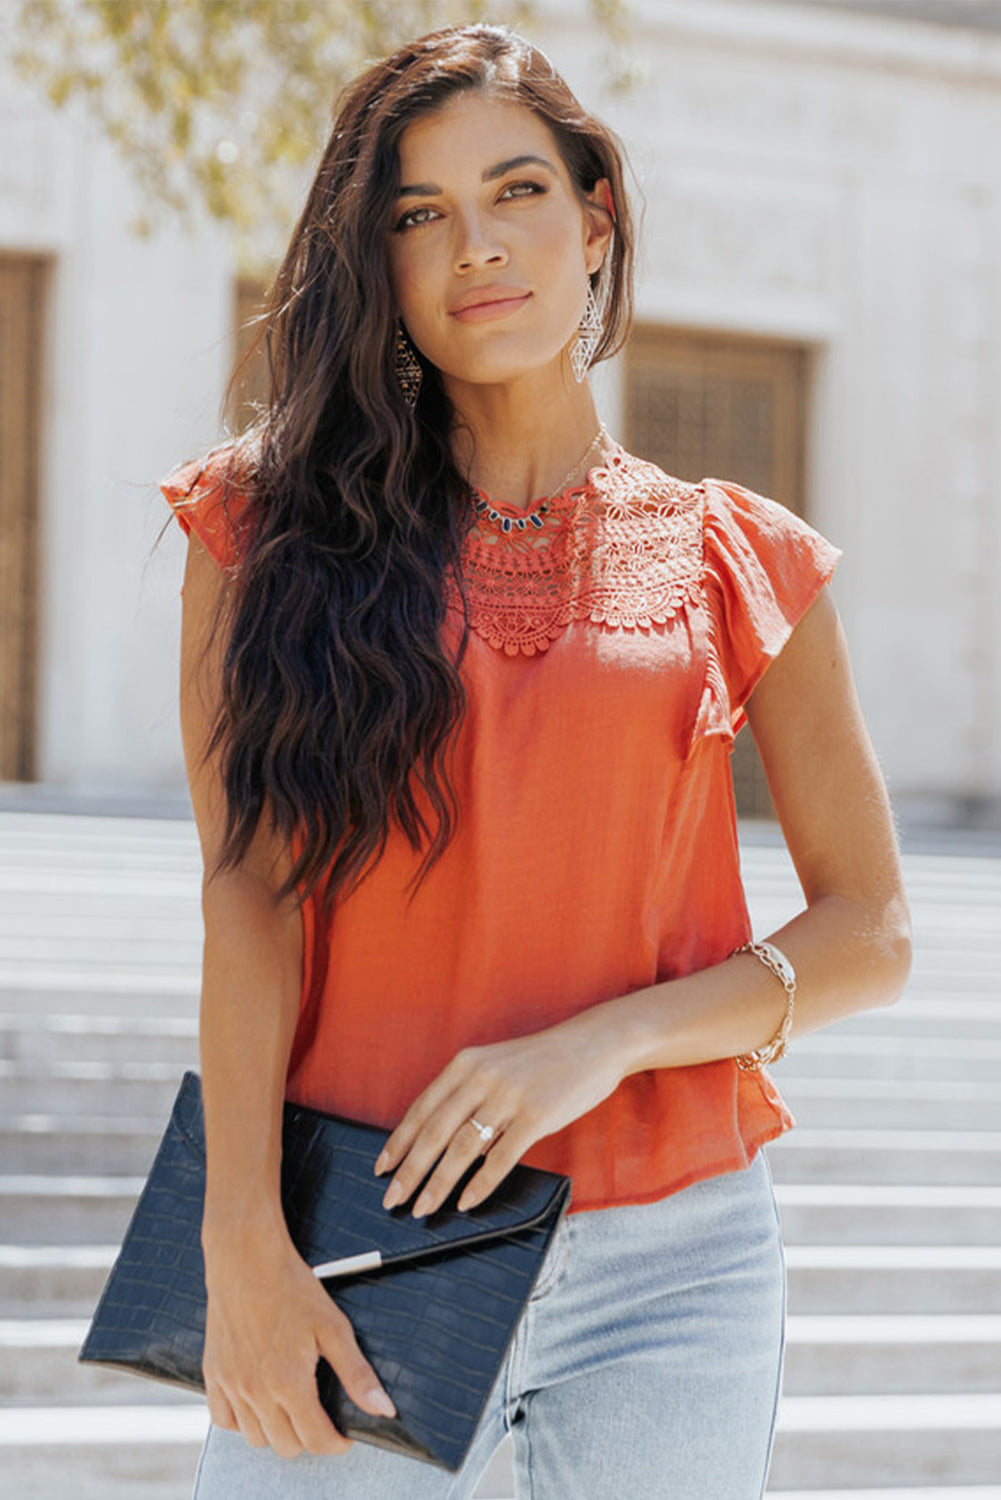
{"points": [[482, 312]]}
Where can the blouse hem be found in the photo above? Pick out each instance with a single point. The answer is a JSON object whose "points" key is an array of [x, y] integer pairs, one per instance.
{"points": [[698, 1174]]}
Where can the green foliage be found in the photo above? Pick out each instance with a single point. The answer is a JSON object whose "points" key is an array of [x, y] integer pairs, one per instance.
{"points": [[224, 104]]}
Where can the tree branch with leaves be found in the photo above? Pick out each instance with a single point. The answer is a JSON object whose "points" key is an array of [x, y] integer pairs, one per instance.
{"points": [[223, 105]]}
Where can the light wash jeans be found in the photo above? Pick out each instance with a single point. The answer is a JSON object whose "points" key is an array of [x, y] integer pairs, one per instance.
{"points": [[646, 1364]]}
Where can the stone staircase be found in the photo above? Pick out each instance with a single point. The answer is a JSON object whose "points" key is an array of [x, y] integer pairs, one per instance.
{"points": [[890, 1195], [889, 1190]]}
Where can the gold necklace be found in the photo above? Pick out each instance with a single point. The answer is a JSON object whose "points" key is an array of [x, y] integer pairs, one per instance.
{"points": [[534, 517]]}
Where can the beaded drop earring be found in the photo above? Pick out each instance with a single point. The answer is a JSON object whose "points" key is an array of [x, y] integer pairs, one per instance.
{"points": [[408, 367]]}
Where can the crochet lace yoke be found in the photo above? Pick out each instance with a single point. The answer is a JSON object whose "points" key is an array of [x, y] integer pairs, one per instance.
{"points": [[624, 549]]}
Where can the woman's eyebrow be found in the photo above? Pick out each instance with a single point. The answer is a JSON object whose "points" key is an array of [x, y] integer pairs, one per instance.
{"points": [[430, 190]]}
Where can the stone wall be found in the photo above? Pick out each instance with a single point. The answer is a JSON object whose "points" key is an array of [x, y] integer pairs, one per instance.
{"points": [[808, 173]]}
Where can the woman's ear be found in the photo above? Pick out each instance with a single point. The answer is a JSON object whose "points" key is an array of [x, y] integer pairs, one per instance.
{"points": [[600, 225]]}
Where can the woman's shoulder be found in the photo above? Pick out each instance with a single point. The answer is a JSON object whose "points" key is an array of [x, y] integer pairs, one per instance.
{"points": [[226, 467], [748, 533], [209, 496]]}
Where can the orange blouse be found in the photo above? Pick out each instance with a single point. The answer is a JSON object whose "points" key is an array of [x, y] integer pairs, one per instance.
{"points": [[611, 654]]}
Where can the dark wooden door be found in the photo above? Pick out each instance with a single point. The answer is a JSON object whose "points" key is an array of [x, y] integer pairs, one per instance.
{"points": [[22, 293]]}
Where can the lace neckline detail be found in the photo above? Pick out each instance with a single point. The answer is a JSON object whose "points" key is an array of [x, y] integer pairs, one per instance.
{"points": [[622, 548]]}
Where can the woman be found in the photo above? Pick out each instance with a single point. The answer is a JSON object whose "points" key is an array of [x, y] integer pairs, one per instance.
{"points": [[453, 610]]}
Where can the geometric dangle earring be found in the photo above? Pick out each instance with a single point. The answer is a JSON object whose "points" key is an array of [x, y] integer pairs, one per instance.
{"points": [[408, 367], [588, 336]]}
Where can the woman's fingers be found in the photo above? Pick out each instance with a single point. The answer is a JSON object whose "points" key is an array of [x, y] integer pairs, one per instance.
{"points": [[220, 1411], [452, 1141], [466, 1146], [339, 1348], [313, 1428], [502, 1159], [279, 1432], [248, 1422], [285, 1415], [425, 1115], [438, 1128], [316, 1431]]}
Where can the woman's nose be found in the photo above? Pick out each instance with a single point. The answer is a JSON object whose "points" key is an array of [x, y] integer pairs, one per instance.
{"points": [[476, 245]]}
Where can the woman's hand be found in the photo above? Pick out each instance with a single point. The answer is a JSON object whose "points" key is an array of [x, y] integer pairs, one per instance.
{"points": [[526, 1088], [269, 1321]]}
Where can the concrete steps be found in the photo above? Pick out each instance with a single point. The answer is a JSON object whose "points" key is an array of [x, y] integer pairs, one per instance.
{"points": [[52, 1281], [39, 1367], [836, 1213], [132, 1451], [65, 1209], [889, 1190], [928, 1014], [889, 1104], [847, 1279], [103, 994], [41, 1143], [886, 1440], [907, 1058], [939, 1157], [89, 1088], [90, 1038], [892, 1353]]}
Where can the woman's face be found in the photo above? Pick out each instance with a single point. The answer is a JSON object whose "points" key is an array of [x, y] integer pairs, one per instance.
{"points": [[490, 245]]}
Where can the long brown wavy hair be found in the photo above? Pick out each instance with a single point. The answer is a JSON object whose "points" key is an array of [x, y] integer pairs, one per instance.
{"points": [[336, 689]]}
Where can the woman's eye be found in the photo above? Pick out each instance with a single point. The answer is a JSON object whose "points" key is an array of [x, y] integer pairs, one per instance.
{"points": [[415, 217], [523, 189], [411, 218]]}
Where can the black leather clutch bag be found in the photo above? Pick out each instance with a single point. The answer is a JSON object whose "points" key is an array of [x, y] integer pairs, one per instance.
{"points": [[434, 1302]]}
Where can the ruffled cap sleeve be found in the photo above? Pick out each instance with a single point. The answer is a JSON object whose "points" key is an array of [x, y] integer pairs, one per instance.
{"points": [[763, 568], [208, 498]]}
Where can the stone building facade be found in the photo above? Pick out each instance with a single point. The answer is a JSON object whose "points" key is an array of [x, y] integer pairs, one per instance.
{"points": [[818, 317]]}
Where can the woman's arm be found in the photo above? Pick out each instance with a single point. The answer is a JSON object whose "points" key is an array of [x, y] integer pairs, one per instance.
{"points": [[269, 1319], [850, 948]]}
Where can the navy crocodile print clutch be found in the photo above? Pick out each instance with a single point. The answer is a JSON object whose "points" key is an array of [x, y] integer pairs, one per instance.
{"points": [[435, 1315]]}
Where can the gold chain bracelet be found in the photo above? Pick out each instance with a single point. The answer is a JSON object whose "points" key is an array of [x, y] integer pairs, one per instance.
{"points": [[775, 960]]}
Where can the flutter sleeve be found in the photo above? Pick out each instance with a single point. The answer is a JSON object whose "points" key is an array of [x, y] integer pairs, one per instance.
{"points": [[763, 568], [206, 496]]}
